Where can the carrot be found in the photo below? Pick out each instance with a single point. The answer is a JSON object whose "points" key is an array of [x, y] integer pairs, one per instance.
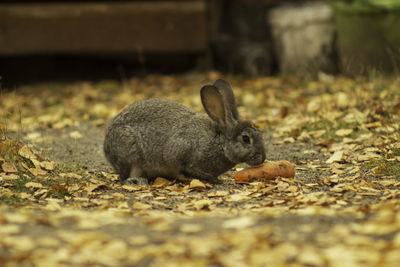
{"points": [[282, 168]]}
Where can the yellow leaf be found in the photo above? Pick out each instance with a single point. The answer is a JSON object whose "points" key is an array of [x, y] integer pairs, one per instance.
{"points": [[242, 196], [218, 193], [9, 167], [340, 188], [379, 169], [344, 132], [88, 224], [336, 157], [368, 156], [26, 152], [317, 134], [342, 100], [239, 223], [52, 204], [37, 172], [16, 218], [138, 240], [98, 186], [33, 185], [10, 229], [159, 181], [396, 240], [197, 184], [75, 135], [48, 165], [70, 175], [311, 257], [141, 206], [190, 228], [33, 136], [36, 163], [132, 188], [203, 204], [24, 195], [314, 105], [19, 243]]}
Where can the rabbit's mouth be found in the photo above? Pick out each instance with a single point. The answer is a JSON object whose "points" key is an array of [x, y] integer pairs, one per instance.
{"points": [[256, 160]]}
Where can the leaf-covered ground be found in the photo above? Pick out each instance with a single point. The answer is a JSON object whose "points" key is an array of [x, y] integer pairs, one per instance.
{"points": [[60, 204]]}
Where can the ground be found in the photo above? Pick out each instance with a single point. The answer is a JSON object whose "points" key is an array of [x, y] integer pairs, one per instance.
{"points": [[61, 204]]}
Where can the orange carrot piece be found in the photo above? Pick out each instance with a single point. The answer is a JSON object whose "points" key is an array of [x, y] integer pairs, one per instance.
{"points": [[268, 171]]}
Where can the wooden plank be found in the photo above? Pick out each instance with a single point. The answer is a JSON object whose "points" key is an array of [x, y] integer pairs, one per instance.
{"points": [[151, 26]]}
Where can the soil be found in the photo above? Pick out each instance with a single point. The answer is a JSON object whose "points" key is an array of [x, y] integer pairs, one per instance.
{"points": [[332, 213]]}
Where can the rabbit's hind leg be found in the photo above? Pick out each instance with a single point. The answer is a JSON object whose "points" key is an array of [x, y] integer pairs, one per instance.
{"points": [[135, 177]]}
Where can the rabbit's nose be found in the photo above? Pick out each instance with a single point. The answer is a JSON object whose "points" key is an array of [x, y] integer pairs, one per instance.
{"points": [[258, 159]]}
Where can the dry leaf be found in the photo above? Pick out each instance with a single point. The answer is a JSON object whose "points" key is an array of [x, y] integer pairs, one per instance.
{"points": [[48, 165], [33, 185], [239, 223], [159, 181], [10, 229], [336, 157], [9, 177], [70, 175], [317, 134], [9, 167], [191, 228], [75, 135], [197, 184], [141, 206], [97, 186], [344, 132], [37, 172], [27, 153], [203, 204]]}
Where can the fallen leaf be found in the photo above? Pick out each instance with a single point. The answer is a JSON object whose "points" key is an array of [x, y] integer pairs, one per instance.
{"points": [[343, 100], [203, 204], [10, 229], [197, 184], [9, 167], [132, 188], [97, 186], [317, 134], [191, 228], [19, 243], [138, 240], [37, 172], [75, 135], [70, 175], [27, 153], [33, 185], [336, 157], [9, 177], [344, 132], [141, 206], [48, 165], [52, 204], [159, 181], [239, 223]]}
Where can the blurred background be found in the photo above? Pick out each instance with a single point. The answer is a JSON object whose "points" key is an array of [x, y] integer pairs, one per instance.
{"points": [[70, 39]]}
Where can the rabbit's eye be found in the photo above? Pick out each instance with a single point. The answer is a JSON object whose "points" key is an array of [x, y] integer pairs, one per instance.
{"points": [[246, 139]]}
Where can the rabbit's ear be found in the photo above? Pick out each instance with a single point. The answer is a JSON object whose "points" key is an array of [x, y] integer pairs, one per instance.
{"points": [[229, 99], [219, 102]]}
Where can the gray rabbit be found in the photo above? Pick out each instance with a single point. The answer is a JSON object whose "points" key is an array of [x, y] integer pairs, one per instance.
{"points": [[162, 138]]}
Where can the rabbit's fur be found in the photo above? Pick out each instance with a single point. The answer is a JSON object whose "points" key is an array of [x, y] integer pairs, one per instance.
{"points": [[162, 138]]}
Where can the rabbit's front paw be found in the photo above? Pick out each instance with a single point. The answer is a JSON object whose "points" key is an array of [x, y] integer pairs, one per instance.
{"points": [[136, 181]]}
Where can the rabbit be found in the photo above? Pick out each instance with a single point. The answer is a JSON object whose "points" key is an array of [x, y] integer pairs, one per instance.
{"points": [[163, 138]]}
